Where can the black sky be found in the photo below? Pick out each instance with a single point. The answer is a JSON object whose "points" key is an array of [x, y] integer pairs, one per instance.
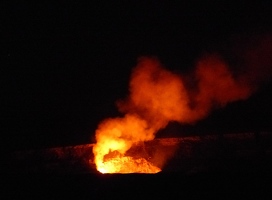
{"points": [[65, 64]]}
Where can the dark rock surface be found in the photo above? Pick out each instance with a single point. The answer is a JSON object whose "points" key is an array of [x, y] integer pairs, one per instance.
{"points": [[247, 152], [230, 166]]}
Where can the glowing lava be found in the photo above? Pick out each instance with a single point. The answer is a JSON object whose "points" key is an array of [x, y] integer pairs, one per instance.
{"points": [[127, 164], [114, 138]]}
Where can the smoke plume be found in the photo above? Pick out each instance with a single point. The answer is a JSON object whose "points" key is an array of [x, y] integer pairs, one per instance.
{"points": [[158, 96]]}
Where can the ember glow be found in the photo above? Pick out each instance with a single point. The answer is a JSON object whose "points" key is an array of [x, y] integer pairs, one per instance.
{"points": [[116, 136], [158, 96], [127, 164]]}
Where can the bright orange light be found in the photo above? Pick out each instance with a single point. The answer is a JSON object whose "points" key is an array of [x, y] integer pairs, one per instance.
{"points": [[158, 96], [116, 136], [126, 164]]}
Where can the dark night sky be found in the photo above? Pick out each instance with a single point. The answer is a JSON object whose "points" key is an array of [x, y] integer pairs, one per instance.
{"points": [[65, 64]]}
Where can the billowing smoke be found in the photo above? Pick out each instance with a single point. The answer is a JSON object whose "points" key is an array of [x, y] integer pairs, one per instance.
{"points": [[216, 87], [158, 96]]}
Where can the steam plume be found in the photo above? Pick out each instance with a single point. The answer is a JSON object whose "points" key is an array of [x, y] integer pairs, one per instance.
{"points": [[158, 96]]}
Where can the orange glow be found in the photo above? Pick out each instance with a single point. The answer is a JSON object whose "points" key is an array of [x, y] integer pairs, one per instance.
{"points": [[158, 96], [127, 164], [118, 135]]}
